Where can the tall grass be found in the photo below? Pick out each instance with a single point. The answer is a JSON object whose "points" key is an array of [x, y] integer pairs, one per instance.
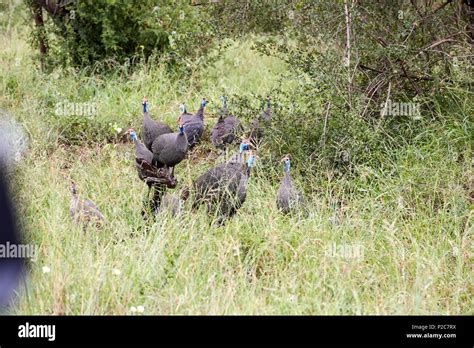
{"points": [[411, 217]]}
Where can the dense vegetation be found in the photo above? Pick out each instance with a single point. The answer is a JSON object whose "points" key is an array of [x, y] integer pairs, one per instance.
{"points": [[399, 185]]}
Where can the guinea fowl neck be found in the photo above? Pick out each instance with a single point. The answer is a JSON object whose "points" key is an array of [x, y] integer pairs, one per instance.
{"points": [[74, 196], [146, 116], [200, 112], [287, 179]]}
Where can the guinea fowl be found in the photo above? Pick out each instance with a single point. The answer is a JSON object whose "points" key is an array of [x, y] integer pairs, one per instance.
{"points": [[148, 173], [288, 197], [152, 129], [83, 210], [223, 188], [224, 131], [257, 125], [170, 149], [193, 124]]}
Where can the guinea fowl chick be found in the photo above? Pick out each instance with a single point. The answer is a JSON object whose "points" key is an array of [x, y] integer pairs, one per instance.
{"points": [[83, 210], [289, 199]]}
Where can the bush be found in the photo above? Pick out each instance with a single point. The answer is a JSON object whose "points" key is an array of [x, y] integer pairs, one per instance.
{"points": [[81, 33]]}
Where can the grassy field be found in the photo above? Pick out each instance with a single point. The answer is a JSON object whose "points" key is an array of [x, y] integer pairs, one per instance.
{"points": [[400, 243]]}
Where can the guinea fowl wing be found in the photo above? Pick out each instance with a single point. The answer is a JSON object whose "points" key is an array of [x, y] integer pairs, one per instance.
{"points": [[194, 131], [230, 127], [169, 149], [285, 193], [91, 210], [218, 133]]}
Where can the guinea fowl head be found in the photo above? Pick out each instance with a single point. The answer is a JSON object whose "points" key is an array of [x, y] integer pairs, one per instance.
{"points": [[133, 134], [286, 163], [268, 101], [145, 104], [182, 108], [72, 188], [244, 146], [204, 102]]}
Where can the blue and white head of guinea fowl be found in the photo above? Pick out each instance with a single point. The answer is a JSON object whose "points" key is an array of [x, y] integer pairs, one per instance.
{"points": [[133, 134], [145, 104], [204, 102], [72, 187], [286, 164], [182, 108], [244, 146]]}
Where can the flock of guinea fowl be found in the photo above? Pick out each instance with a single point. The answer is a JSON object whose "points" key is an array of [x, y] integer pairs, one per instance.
{"points": [[222, 189]]}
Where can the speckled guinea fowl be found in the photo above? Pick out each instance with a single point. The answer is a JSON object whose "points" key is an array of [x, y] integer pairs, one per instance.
{"points": [[225, 130], [258, 124], [289, 199], [152, 129], [193, 124], [170, 149], [83, 210], [223, 188]]}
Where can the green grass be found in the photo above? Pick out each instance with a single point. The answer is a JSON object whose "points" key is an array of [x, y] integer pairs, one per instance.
{"points": [[412, 217]]}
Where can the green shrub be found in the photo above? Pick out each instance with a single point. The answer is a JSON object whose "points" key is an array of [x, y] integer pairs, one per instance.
{"points": [[115, 32]]}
